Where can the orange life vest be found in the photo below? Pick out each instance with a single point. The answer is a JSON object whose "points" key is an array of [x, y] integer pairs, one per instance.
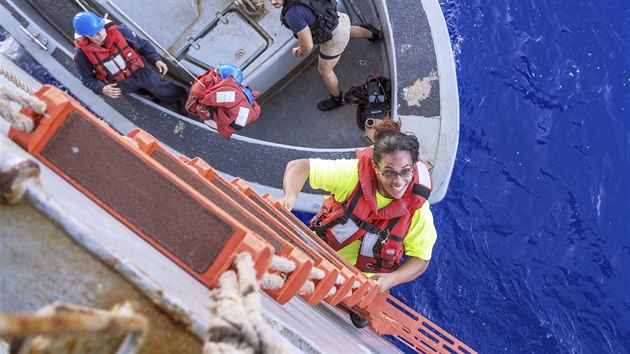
{"points": [[221, 103], [381, 231], [115, 60]]}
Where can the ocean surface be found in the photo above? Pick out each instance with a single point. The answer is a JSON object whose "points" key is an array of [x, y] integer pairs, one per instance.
{"points": [[533, 254]]}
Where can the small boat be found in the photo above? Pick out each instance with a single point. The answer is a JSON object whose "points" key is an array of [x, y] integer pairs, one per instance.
{"points": [[196, 36]]}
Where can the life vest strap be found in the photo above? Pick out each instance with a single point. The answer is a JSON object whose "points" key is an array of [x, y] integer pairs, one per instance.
{"points": [[422, 191], [373, 229], [320, 230], [382, 238]]}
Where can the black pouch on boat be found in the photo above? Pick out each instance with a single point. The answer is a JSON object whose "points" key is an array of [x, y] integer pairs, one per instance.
{"points": [[372, 99]]}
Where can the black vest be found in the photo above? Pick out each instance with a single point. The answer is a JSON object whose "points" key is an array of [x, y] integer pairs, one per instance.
{"points": [[326, 18]]}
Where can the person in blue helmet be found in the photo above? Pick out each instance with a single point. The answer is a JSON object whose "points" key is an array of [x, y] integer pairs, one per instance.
{"points": [[112, 60], [316, 22]]}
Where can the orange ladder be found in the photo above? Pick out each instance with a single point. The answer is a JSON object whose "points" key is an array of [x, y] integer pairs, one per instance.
{"points": [[303, 263], [167, 201], [138, 191]]}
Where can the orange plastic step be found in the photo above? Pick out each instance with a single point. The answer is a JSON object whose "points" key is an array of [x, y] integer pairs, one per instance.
{"points": [[303, 263], [162, 209], [324, 285], [365, 289], [361, 298], [390, 316]]}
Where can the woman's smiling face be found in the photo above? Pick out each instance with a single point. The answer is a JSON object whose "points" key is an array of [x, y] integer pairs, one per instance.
{"points": [[394, 173]]}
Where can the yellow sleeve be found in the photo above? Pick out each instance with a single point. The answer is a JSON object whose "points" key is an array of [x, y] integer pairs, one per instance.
{"points": [[338, 177], [422, 234]]}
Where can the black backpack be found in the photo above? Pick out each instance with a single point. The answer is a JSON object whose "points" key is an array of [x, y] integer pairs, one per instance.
{"points": [[372, 99]]}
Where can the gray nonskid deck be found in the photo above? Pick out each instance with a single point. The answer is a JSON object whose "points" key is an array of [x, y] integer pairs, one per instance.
{"points": [[290, 125]]}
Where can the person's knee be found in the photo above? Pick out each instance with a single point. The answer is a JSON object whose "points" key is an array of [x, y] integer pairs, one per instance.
{"points": [[325, 69]]}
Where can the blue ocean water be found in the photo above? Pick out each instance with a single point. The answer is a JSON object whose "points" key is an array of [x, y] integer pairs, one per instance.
{"points": [[533, 254]]}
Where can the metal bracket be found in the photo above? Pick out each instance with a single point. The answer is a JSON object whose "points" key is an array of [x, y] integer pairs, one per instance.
{"points": [[41, 44]]}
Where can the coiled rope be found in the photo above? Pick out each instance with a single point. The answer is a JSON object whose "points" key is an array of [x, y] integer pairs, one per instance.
{"points": [[239, 326]]}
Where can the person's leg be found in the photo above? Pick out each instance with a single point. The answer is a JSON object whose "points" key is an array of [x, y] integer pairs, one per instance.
{"points": [[329, 54], [163, 90], [359, 32], [367, 31], [325, 68]]}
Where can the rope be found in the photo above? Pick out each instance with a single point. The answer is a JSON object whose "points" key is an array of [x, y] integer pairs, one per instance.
{"points": [[308, 287], [271, 281], [239, 326], [282, 264], [317, 274], [153, 40], [14, 179], [16, 81], [57, 323], [18, 120]]}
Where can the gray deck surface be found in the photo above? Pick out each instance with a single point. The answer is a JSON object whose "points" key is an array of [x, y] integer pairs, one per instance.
{"points": [[290, 116]]}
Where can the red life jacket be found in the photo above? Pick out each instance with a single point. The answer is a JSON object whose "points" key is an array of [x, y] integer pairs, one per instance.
{"points": [[221, 103], [381, 231], [115, 61]]}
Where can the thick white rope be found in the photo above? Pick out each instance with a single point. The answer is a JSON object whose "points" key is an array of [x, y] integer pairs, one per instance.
{"points": [[282, 264], [317, 274], [239, 326], [308, 287], [15, 178], [15, 80], [271, 281], [17, 119], [354, 287]]}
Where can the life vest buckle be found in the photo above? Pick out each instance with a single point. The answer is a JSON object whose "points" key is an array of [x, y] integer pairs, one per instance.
{"points": [[384, 238]]}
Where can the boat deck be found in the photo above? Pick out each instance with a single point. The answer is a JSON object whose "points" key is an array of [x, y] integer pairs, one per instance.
{"points": [[290, 116], [291, 126]]}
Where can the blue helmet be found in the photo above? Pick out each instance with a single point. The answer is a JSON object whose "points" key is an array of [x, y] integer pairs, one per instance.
{"points": [[226, 70], [248, 93], [87, 23]]}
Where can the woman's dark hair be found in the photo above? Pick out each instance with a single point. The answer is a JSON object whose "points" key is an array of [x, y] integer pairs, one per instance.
{"points": [[388, 139]]}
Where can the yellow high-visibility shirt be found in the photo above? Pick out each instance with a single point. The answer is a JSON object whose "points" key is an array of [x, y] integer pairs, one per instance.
{"points": [[340, 177]]}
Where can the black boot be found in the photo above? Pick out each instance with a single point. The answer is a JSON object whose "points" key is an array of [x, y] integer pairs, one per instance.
{"points": [[180, 105], [358, 321], [377, 34], [331, 103]]}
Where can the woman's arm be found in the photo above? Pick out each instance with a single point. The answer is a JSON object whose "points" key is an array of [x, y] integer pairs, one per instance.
{"points": [[411, 269], [305, 38], [295, 176]]}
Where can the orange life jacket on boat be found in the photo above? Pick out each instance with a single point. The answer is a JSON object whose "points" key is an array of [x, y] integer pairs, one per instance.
{"points": [[381, 231], [115, 60], [221, 103]]}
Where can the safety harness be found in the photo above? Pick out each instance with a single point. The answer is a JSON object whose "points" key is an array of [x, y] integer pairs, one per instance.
{"points": [[326, 18]]}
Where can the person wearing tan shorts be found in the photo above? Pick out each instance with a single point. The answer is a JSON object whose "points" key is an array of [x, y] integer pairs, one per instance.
{"points": [[300, 17]]}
